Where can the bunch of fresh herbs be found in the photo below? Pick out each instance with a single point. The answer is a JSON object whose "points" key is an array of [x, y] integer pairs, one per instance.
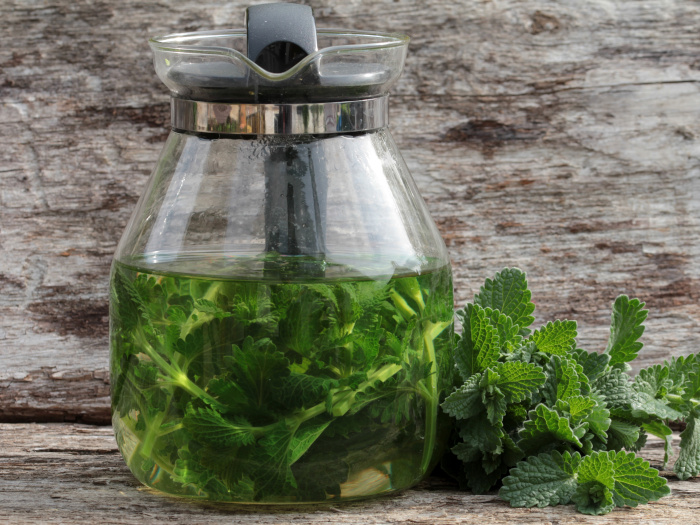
{"points": [[553, 423]]}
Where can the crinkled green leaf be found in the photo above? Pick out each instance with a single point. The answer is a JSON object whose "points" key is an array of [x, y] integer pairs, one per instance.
{"points": [[688, 462], [564, 379], [659, 429], [635, 481], [593, 364], [465, 402], [519, 380], [545, 429], [622, 434], [508, 331], [558, 337], [479, 434], [507, 292], [545, 479], [576, 407], [626, 328], [208, 425], [616, 388], [645, 405], [479, 346], [596, 482], [599, 422], [304, 437]]}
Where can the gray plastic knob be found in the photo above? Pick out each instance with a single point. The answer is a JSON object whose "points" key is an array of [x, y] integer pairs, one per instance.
{"points": [[280, 35]]}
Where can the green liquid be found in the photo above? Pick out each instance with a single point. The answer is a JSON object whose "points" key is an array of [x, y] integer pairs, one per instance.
{"points": [[279, 391]]}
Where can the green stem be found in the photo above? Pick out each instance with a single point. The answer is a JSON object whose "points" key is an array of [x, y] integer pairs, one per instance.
{"points": [[176, 375], [202, 317], [432, 404], [403, 306], [430, 332], [674, 398]]}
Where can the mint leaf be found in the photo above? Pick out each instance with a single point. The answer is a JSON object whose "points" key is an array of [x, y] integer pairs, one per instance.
{"points": [[545, 479], [558, 337], [507, 292], [479, 346], [625, 328], [688, 462]]}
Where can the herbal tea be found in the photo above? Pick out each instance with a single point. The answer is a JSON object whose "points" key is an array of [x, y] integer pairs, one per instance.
{"points": [[249, 391]]}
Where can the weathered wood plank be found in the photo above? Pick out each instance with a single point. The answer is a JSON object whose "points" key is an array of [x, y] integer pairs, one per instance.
{"points": [[66, 473], [560, 137]]}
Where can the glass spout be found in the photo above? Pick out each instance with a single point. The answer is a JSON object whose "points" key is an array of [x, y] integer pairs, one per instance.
{"points": [[212, 66]]}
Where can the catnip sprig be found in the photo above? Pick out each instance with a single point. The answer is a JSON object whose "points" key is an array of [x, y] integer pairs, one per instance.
{"points": [[550, 421]]}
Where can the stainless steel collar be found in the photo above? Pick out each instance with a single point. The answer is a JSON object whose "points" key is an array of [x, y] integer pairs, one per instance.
{"points": [[279, 119]]}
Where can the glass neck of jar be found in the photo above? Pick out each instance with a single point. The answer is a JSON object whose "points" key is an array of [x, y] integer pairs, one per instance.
{"points": [[323, 118]]}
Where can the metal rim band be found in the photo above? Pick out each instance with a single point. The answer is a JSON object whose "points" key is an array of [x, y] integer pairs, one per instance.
{"points": [[279, 119]]}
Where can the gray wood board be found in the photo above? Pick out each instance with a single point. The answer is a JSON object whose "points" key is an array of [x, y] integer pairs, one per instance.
{"points": [[559, 137], [68, 473]]}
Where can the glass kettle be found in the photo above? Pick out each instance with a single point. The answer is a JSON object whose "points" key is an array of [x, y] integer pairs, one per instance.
{"points": [[281, 301]]}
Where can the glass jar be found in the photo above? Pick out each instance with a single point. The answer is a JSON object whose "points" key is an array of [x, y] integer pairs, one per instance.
{"points": [[281, 301]]}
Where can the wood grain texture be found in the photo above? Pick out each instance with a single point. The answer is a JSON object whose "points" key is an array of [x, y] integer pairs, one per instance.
{"points": [[67, 473], [558, 136]]}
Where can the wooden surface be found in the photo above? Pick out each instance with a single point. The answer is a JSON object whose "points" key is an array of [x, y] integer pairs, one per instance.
{"points": [[67, 473], [558, 136]]}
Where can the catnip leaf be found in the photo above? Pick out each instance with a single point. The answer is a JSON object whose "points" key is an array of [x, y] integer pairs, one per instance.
{"points": [[635, 481], [645, 405], [659, 429], [304, 437], [478, 433], [495, 404], [479, 346], [593, 364], [622, 434], [557, 338], [625, 328], [302, 390], [272, 473], [542, 480], [545, 429], [596, 483], [688, 462], [599, 422], [507, 292], [465, 402], [508, 331], [208, 426], [519, 380], [576, 408], [564, 377], [615, 387], [255, 365]]}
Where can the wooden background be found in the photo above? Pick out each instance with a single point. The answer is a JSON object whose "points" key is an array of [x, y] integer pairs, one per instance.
{"points": [[558, 136]]}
